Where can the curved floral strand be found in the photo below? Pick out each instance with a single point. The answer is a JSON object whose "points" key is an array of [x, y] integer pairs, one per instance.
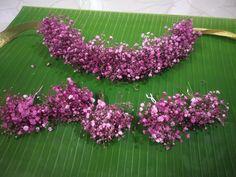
{"points": [[118, 62]]}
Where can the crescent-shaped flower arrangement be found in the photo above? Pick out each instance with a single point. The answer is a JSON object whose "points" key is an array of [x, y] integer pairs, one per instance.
{"points": [[115, 61], [165, 120], [118, 62]]}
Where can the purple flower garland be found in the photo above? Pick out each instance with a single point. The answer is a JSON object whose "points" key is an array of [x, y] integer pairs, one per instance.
{"points": [[118, 61], [171, 116]]}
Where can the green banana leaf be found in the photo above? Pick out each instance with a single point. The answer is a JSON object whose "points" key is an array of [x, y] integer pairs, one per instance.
{"points": [[68, 150]]}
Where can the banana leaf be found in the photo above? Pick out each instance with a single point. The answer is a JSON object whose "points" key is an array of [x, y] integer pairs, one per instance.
{"points": [[68, 150]]}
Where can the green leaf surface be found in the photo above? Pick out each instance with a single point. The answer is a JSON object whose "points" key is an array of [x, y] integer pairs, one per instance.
{"points": [[68, 151]]}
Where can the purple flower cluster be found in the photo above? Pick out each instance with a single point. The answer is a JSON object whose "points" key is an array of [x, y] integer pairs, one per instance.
{"points": [[171, 116], [207, 109], [70, 104], [107, 122], [21, 116], [117, 61]]}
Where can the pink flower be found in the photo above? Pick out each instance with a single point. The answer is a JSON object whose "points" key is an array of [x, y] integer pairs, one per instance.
{"points": [[160, 119], [188, 135], [25, 128]]}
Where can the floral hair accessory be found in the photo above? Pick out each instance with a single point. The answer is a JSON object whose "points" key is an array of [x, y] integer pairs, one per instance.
{"points": [[70, 104], [171, 116], [206, 109], [119, 61], [107, 122], [21, 116]]}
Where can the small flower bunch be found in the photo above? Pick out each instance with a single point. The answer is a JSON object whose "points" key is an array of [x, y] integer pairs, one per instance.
{"points": [[70, 104], [118, 61], [171, 116], [107, 122], [165, 118], [206, 109], [21, 116]]}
